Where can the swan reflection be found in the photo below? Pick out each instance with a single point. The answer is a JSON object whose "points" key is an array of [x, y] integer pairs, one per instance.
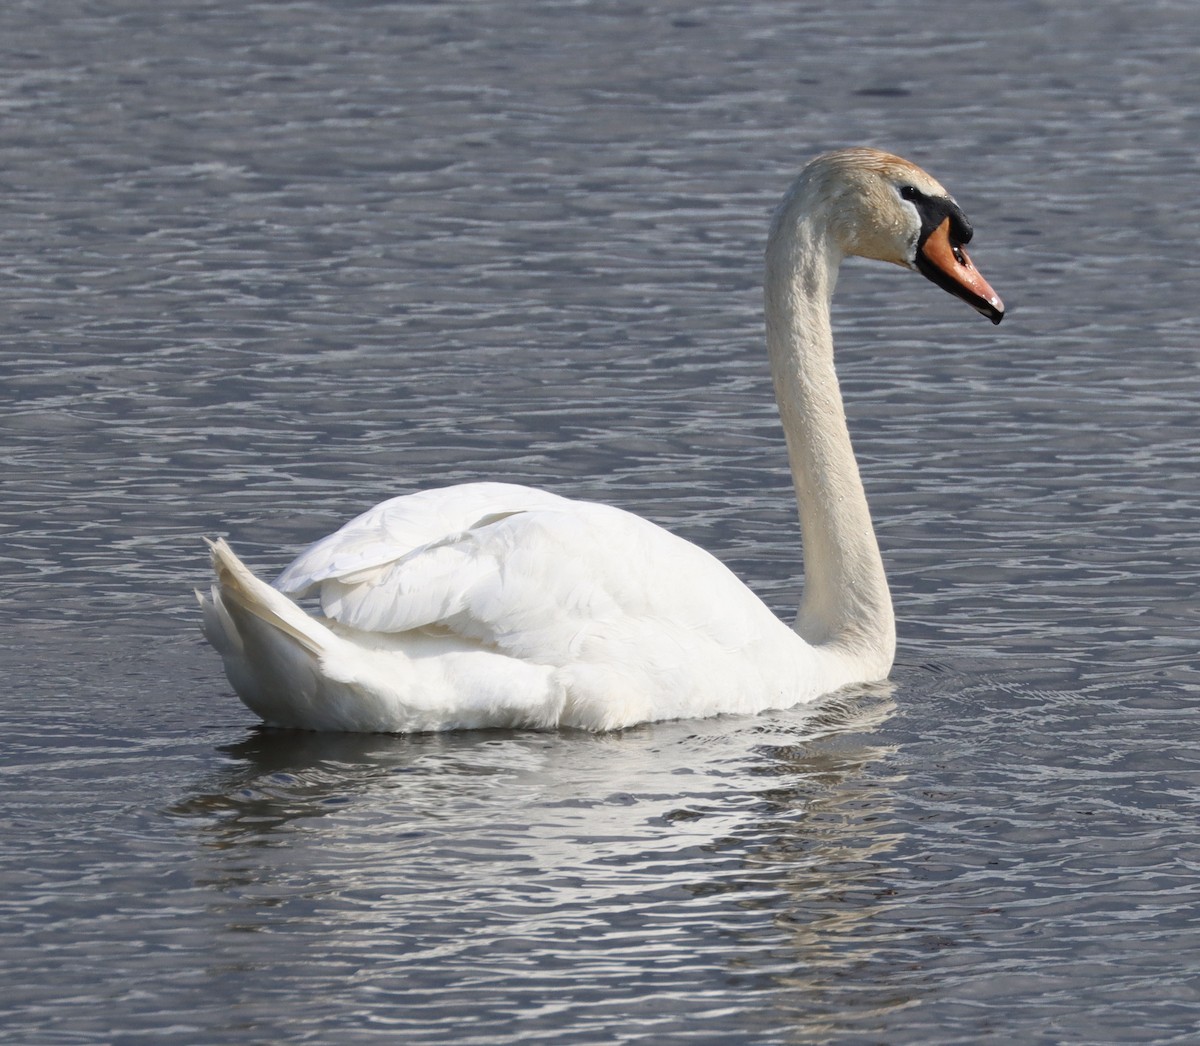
{"points": [[732, 855]]}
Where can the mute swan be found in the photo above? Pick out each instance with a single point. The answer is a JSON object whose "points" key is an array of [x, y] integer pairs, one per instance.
{"points": [[492, 605]]}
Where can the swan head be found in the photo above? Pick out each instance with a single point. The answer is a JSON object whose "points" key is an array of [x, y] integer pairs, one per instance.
{"points": [[876, 205]]}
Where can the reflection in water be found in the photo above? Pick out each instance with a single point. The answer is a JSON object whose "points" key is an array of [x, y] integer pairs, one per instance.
{"points": [[834, 863], [277, 776], [733, 853]]}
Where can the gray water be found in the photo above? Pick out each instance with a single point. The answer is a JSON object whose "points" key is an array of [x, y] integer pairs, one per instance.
{"points": [[264, 264]]}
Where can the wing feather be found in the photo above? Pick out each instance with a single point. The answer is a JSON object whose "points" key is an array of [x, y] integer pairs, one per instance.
{"points": [[531, 574], [369, 544]]}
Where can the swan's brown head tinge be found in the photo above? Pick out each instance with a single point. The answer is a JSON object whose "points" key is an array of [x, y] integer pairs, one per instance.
{"points": [[892, 210]]}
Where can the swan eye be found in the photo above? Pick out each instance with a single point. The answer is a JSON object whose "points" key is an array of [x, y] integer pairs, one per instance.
{"points": [[910, 192]]}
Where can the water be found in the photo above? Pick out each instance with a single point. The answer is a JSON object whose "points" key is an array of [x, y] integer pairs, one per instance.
{"points": [[266, 264]]}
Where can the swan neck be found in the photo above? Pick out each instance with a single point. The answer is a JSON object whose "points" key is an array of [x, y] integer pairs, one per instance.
{"points": [[846, 607]]}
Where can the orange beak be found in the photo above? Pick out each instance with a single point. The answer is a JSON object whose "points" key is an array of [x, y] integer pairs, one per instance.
{"points": [[945, 262]]}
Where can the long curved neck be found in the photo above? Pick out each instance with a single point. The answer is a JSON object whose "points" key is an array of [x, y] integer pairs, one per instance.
{"points": [[846, 607]]}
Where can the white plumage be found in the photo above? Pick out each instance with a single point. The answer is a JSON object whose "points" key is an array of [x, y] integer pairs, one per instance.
{"points": [[494, 605]]}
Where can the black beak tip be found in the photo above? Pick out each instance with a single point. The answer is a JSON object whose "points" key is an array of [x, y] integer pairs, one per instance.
{"points": [[992, 308]]}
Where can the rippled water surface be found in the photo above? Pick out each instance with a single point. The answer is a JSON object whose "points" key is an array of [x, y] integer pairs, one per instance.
{"points": [[263, 264]]}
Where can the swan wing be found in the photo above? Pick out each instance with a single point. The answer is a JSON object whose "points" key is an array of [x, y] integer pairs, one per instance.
{"points": [[376, 539], [532, 574]]}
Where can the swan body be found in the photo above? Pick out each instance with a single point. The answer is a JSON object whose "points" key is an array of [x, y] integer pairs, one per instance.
{"points": [[496, 605]]}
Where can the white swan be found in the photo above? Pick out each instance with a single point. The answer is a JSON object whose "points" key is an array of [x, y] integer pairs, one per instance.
{"points": [[491, 605]]}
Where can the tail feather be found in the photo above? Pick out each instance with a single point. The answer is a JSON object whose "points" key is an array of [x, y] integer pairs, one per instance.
{"points": [[218, 626], [237, 583], [296, 671], [272, 649]]}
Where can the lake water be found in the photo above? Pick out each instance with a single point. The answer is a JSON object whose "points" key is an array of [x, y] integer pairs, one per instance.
{"points": [[264, 264]]}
